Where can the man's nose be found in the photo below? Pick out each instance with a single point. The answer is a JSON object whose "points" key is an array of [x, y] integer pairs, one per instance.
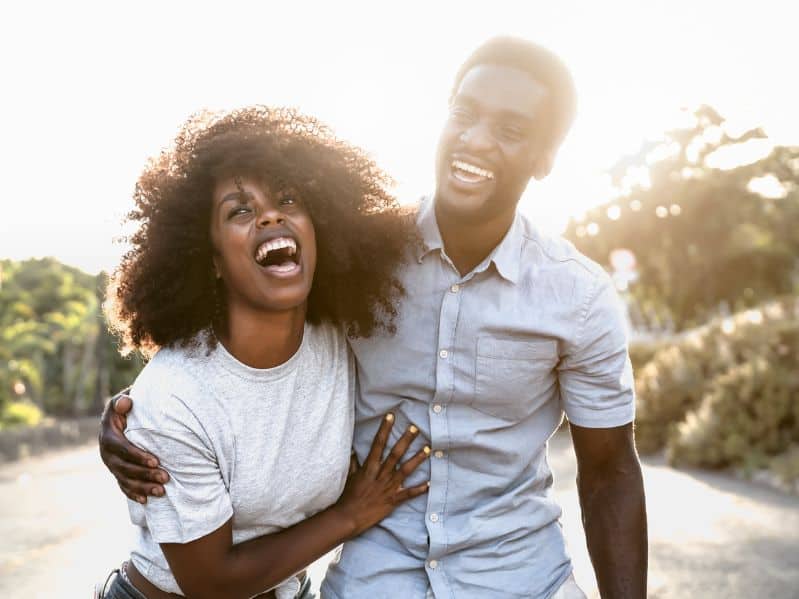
{"points": [[477, 138]]}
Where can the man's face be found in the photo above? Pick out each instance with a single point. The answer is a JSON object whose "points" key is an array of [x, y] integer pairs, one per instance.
{"points": [[491, 144]]}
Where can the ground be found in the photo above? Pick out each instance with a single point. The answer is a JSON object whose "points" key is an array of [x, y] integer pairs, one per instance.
{"points": [[64, 525]]}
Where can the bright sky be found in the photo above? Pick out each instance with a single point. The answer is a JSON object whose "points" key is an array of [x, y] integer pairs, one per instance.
{"points": [[91, 89]]}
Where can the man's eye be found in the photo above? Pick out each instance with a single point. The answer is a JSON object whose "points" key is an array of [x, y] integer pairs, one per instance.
{"points": [[288, 200], [511, 133], [460, 114]]}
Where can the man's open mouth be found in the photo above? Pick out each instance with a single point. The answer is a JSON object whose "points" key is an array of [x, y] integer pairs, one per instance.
{"points": [[470, 173], [278, 255]]}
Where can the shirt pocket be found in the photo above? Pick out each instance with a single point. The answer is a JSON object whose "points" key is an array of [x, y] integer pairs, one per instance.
{"points": [[512, 376]]}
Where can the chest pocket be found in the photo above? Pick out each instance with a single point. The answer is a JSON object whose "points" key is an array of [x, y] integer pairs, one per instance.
{"points": [[513, 377]]}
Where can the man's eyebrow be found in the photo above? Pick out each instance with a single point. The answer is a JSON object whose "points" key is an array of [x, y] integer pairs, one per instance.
{"points": [[502, 114]]}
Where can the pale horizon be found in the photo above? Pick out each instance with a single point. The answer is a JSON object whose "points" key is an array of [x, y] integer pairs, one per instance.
{"points": [[92, 90]]}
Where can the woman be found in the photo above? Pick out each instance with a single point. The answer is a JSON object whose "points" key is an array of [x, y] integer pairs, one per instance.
{"points": [[262, 239]]}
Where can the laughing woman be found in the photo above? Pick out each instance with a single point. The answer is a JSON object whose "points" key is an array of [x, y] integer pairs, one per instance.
{"points": [[262, 239]]}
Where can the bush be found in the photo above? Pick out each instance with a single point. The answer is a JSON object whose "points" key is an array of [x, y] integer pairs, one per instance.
{"points": [[749, 414], [19, 413], [683, 376]]}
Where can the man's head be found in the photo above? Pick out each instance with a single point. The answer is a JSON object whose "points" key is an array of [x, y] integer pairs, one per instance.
{"points": [[511, 105]]}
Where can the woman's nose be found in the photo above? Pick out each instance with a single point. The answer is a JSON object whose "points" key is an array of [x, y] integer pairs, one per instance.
{"points": [[270, 216]]}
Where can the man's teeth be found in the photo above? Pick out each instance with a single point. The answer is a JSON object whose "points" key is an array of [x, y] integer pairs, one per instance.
{"points": [[474, 170], [276, 244]]}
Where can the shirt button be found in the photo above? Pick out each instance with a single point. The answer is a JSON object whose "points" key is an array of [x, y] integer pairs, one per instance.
{"points": [[439, 453], [443, 353], [433, 517], [433, 564], [437, 408], [455, 288]]}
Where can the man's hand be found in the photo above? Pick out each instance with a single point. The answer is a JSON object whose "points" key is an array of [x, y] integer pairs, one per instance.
{"points": [[134, 469]]}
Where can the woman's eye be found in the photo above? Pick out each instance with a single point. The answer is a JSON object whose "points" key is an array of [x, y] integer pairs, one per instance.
{"points": [[239, 210]]}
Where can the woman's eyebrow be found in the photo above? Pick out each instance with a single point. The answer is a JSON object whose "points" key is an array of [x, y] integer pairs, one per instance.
{"points": [[235, 196]]}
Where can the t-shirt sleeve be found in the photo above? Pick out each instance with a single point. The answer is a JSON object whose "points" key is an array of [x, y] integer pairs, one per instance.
{"points": [[196, 500], [596, 377]]}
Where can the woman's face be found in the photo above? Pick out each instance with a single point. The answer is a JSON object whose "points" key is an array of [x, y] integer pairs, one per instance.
{"points": [[264, 245]]}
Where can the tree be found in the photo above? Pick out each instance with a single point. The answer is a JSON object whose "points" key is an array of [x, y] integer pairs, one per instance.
{"points": [[54, 346], [703, 235]]}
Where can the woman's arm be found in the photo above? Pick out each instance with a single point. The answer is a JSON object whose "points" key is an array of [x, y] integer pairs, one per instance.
{"points": [[213, 567]]}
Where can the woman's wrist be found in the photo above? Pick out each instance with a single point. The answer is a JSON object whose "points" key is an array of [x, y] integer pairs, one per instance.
{"points": [[346, 519]]}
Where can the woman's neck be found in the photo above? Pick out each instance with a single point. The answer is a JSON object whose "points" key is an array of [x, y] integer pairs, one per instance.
{"points": [[263, 339]]}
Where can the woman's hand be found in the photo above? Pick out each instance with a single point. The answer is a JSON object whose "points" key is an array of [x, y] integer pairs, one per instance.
{"points": [[375, 489]]}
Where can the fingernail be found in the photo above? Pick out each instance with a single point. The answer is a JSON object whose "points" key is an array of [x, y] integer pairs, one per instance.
{"points": [[428, 484], [157, 492], [162, 478], [390, 417], [141, 499], [412, 429], [152, 463], [426, 450]]}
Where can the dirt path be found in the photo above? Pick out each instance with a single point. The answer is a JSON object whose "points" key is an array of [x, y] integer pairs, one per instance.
{"points": [[63, 523]]}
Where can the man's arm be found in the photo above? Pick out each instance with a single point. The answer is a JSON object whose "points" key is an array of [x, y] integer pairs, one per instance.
{"points": [[597, 391], [611, 491]]}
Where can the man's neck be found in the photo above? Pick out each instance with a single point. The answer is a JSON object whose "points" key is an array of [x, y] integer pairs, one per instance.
{"points": [[468, 244], [264, 339]]}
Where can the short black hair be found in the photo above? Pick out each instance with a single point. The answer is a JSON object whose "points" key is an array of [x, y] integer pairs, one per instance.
{"points": [[542, 65]]}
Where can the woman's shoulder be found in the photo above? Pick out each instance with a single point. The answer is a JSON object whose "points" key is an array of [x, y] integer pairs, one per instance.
{"points": [[327, 338], [170, 388]]}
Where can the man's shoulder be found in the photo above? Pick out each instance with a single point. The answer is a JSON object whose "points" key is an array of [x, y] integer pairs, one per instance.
{"points": [[555, 251]]}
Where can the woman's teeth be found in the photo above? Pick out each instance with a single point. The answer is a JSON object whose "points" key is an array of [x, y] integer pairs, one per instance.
{"points": [[469, 172], [272, 245]]}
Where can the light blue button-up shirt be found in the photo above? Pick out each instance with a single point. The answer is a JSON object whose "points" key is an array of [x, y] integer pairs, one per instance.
{"points": [[484, 364]]}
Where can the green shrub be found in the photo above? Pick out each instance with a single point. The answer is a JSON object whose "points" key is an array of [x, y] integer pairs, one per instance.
{"points": [[750, 413], [20, 413], [682, 374], [642, 352]]}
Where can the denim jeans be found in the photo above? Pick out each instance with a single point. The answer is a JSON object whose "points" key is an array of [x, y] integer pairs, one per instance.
{"points": [[121, 589]]}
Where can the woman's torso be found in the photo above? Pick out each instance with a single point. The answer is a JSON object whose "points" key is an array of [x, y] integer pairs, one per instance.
{"points": [[279, 439]]}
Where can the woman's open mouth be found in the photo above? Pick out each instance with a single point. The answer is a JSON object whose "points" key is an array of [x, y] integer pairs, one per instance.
{"points": [[278, 256]]}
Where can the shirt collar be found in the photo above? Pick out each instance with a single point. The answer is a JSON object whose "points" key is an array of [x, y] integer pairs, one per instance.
{"points": [[506, 256]]}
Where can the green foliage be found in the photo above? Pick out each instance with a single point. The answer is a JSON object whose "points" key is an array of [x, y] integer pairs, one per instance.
{"points": [[695, 228], [19, 413], [55, 351], [727, 393]]}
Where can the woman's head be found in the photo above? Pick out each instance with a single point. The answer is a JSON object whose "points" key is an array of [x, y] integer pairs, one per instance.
{"points": [[231, 182], [263, 244]]}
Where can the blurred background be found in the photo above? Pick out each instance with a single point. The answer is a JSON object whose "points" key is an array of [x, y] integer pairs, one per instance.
{"points": [[680, 177]]}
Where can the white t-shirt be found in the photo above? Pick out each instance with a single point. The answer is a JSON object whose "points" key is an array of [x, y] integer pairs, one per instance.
{"points": [[268, 447]]}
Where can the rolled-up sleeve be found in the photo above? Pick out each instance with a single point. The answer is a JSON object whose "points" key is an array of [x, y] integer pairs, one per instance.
{"points": [[196, 500], [595, 375]]}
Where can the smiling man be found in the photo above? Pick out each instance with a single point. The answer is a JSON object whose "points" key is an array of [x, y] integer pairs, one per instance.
{"points": [[502, 330]]}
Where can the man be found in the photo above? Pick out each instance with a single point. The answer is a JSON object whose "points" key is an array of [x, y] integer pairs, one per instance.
{"points": [[502, 330]]}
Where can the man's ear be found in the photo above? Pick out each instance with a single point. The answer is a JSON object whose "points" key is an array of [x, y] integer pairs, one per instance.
{"points": [[542, 164]]}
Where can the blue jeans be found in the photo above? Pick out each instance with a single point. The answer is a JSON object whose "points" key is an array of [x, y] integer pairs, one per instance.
{"points": [[122, 589]]}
